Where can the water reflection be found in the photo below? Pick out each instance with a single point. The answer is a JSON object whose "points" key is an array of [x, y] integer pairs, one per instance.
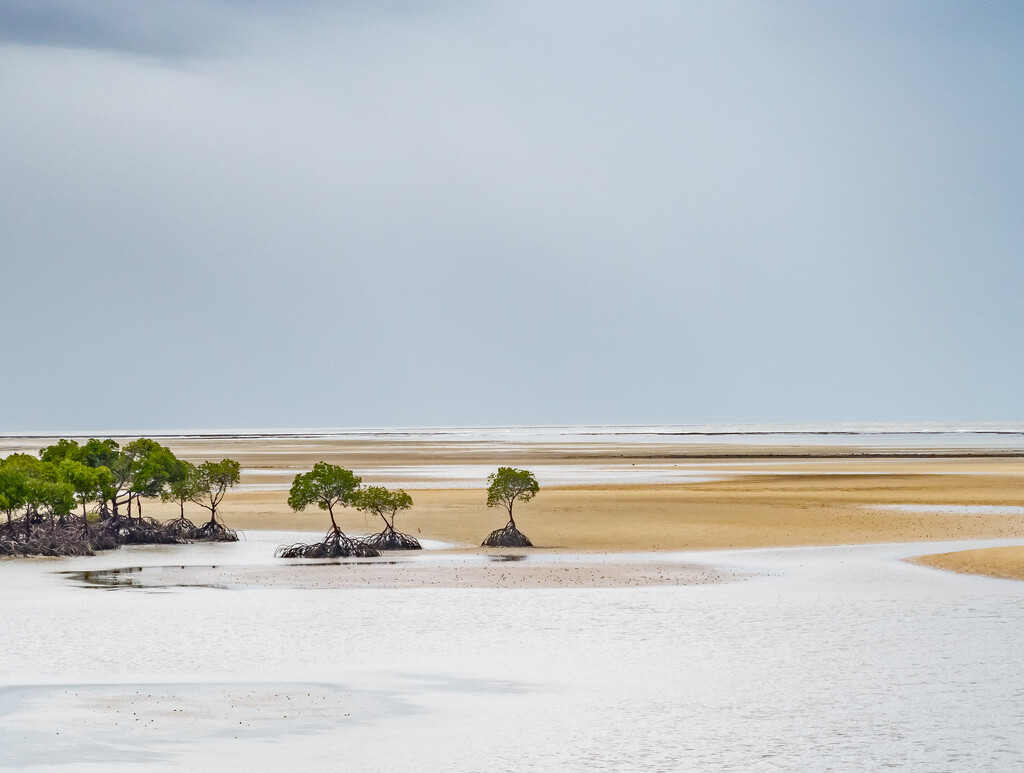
{"points": [[132, 577]]}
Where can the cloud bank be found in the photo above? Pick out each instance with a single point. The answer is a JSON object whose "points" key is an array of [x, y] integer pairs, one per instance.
{"points": [[229, 214]]}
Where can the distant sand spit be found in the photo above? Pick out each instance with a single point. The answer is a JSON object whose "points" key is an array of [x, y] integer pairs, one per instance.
{"points": [[1003, 562]]}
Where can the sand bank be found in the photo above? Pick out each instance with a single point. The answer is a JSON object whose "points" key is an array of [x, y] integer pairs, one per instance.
{"points": [[761, 510], [1003, 562]]}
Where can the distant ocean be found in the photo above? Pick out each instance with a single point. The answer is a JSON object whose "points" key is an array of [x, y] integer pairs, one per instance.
{"points": [[924, 436]]}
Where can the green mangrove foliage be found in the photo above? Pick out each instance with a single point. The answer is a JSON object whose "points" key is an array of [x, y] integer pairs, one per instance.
{"points": [[327, 486], [106, 484]]}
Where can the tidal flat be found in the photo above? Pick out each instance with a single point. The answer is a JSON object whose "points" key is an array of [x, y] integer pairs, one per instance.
{"points": [[765, 619]]}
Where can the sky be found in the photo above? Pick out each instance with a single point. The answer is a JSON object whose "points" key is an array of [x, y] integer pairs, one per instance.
{"points": [[222, 214]]}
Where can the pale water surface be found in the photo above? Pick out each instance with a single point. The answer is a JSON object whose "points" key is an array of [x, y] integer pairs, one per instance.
{"points": [[886, 436], [829, 659], [424, 476], [961, 509]]}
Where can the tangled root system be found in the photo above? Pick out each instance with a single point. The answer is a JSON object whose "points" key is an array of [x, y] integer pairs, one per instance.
{"points": [[100, 539], [335, 545], [180, 527], [44, 540], [36, 536], [509, 537], [140, 531], [213, 531], [393, 540], [57, 539]]}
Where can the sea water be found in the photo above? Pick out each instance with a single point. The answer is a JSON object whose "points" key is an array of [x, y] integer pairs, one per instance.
{"points": [[840, 658], [910, 436]]}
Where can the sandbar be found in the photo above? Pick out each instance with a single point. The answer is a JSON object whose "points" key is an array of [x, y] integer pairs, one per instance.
{"points": [[757, 510], [1003, 562]]}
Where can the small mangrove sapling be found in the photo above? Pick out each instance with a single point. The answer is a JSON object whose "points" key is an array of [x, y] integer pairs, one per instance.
{"points": [[386, 504], [212, 480]]}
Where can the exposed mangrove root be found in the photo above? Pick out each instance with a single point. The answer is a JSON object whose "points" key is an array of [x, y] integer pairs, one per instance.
{"points": [[335, 545], [35, 536], [389, 539], [509, 537], [180, 527], [140, 531], [44, 540], [100, 539], [213, 531]]}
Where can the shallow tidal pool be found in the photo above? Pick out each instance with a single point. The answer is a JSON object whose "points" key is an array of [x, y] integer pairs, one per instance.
{"points": [[822, 658]]}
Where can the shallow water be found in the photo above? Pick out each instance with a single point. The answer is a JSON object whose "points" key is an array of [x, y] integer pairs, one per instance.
{"points": [[960, 509], [889, 436], [475, 475], [830, 658]]}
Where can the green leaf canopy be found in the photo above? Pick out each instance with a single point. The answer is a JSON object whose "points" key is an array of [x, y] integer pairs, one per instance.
{"points": [[327, 486]]}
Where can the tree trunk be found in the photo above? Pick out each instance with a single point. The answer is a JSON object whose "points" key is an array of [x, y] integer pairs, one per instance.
{"points": [[334, 525]]}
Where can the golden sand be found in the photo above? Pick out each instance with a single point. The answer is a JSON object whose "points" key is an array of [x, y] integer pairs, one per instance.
{"points": [[756, 511], [770, 496], [1005, 562]]}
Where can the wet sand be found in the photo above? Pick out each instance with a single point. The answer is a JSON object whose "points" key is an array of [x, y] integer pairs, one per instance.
{"points": [[500, 570], [1003, 562]]}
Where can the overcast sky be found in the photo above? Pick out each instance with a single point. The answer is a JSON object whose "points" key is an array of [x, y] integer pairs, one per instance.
{"points": [[224, 214]]}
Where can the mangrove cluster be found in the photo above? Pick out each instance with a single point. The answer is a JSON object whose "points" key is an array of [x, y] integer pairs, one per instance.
{"points": [[329, 486], [73, 499]]}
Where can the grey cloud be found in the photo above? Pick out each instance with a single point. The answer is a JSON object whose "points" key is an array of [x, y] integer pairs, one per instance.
{"points": [[156, 29], [171, 30], [521, 212]]}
